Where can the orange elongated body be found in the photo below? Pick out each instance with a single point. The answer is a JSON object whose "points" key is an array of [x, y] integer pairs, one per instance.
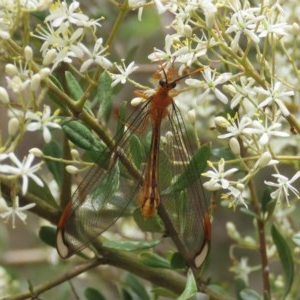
{"points": [[167, 181]]}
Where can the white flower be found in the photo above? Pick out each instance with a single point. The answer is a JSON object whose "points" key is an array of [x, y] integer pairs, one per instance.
{"points": [[42, 121], [16, 210], [242, 92], [218, 177], [242, 270], [241, 22], [284, 185], [159, 6], [137, 4], [265, 131], [60, 12], [235, 196], [236, 128], [63, 41], [168, 55], [209, 9], [125, 72], [96, 56], [24, 170], [276, 94], [273, 24], [210, 83]]}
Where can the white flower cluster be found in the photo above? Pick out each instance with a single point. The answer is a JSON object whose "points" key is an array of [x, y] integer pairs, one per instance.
{"points": [[261, 106]]}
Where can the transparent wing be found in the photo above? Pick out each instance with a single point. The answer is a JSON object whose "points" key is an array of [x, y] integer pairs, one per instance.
{"points": [[184, 208], [105, 192]]}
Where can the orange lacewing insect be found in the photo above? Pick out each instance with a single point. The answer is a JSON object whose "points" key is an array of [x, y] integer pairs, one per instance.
{"points": [[169, 183]]}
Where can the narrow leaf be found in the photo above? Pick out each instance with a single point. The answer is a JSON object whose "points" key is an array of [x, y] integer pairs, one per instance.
{"points": [[286, 258], [104, 92], [130, 245], [249, 294], [48, 235], [80, 135], [93, 294], [200, 160], [42, 192], [136, 150], [154, 260], [134, 283], [190, 287], [53, 149], [121, 121], [75, 89]]}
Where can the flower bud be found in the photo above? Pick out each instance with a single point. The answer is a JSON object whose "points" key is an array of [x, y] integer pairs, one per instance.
{"points": [[221, 122], [49, 57], [240, 186], [72, 169], [35, 82], [232, 232], [295, 28], [36, 152], [234, 146], [44, 73], [75, 154], [187, 30], [264, 159], [136, 101], [13, 126], [11, 69], [191, 116], [28, 53], [4, 98]]}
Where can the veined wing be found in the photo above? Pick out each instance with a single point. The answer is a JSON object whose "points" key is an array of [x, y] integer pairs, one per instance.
{"points": [[105, 192], [184, 208]]}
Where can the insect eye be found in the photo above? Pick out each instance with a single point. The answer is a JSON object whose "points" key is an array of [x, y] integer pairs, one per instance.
{"points": [[162, 82]]}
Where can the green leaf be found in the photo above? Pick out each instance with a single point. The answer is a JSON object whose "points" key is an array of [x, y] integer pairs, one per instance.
{"points": [[53, 149], [80, 135], [53, 96], [219, 290], [134, 283], [75, 89], [286, 258], [249, 294], [93, 294], [42, 192], [266, 198], [121, 121], [190, 287], [136, 150], [198, 162], [165, 173], [48, 235], [224, 153], [130, 245], [177, 261], [268, 204], [153, 224], [104, 92], [154, 260], [163, 292]]}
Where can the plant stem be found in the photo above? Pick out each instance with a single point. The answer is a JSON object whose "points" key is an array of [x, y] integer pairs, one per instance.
{"points": [[262, 242]]}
